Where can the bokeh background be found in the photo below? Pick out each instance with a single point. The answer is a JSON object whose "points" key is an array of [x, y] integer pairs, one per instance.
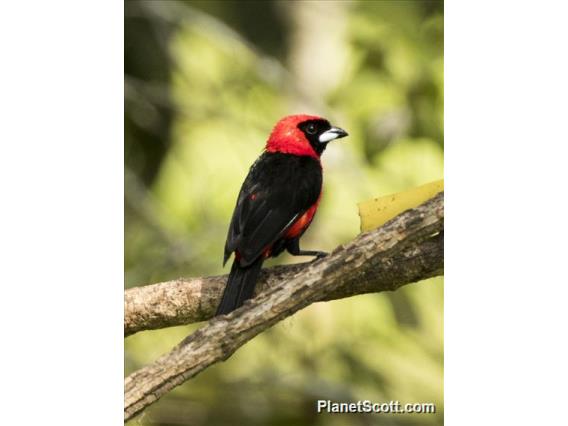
{"points": [[205, 81]]}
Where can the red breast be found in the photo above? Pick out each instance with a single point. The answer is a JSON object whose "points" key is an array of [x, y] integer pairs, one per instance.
{"points": [[302, 223]]}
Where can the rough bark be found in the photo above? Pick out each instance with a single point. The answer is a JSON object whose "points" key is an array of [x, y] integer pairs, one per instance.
{"points": [[189, 300], [361, 261]]}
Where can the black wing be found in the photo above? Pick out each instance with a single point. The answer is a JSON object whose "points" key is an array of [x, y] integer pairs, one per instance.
{"points": [[278, 190]]}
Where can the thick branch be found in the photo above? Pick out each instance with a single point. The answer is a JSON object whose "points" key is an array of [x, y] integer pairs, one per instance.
{"points": [[349, 265], [189, 300]]}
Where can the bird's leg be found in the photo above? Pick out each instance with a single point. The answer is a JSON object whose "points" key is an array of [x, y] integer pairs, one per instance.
{"points": [[293, 248]]}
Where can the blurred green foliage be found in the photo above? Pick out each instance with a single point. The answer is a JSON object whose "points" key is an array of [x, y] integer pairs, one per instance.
{"points": [[204, 83]]}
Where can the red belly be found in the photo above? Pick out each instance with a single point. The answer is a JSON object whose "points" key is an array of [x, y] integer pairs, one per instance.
{"points": [[297, 227], [302, 223]]}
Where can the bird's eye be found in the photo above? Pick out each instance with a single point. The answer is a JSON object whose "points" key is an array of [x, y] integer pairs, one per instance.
{"points": [[311, 129]]}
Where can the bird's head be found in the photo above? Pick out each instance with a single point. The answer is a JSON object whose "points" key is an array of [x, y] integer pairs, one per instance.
{"points": [[302, 135]]}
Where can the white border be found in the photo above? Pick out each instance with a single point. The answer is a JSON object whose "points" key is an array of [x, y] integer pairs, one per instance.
{"points": [[506, 208], [61, 235]]}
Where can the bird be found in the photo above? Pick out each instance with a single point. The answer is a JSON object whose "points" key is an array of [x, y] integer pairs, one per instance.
{"points": [[276, 203]]}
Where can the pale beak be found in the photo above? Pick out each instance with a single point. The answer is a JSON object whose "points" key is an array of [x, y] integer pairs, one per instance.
{"points": [[331, 134]]}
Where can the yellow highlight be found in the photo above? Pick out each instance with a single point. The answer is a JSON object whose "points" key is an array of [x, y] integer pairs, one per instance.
{"points": [[378, 211]]}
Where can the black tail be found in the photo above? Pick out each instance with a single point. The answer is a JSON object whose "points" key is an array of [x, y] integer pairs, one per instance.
{"points": [[240, 286]]}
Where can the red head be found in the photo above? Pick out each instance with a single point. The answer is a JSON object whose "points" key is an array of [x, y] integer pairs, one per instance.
{"points": [[302, 135]]}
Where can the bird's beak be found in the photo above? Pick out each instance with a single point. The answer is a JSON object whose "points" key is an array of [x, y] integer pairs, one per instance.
{"points": [[331, 134]]}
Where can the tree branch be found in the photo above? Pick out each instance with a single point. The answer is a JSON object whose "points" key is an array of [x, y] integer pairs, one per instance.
{"points": [[351, 269], [189, 300]]}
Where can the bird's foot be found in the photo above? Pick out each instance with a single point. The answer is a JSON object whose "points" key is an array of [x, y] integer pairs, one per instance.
{"points": [[317, 254]]}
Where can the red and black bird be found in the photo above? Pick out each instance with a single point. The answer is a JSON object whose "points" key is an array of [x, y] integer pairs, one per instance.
{"points": [[277, 202]]}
